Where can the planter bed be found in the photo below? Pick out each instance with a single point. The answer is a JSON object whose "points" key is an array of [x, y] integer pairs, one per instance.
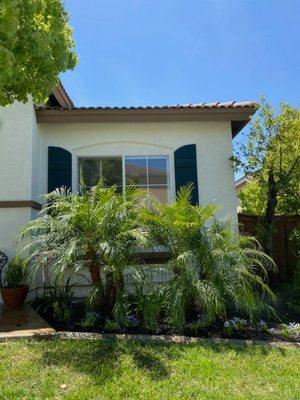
{"points": [[272, 333]]}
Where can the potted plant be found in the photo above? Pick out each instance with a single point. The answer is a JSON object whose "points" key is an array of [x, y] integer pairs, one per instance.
{"points": [[14, 289]]}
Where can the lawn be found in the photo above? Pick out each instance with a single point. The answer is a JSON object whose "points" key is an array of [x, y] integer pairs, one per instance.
{"points": [[65, 369]]}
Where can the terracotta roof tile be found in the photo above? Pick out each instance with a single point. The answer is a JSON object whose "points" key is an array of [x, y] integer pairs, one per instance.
{"points": [[228, 104]]}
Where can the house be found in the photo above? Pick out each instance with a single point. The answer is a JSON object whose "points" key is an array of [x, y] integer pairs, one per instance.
{"points": [[239, 185], [157, 148]]}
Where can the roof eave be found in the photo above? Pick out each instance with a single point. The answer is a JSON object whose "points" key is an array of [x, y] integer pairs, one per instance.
{"points": [[238, 117]]}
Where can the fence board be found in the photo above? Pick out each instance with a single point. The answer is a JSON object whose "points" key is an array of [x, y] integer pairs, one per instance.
{"points": [[283, 252]]}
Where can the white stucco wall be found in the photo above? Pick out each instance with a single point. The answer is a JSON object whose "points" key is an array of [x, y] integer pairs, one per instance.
{"points": [[18, 149], [24, 158], [16, 126], [212, 139], [17, 123]]}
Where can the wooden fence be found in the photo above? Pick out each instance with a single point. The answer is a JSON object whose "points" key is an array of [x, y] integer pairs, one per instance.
{"points": [[284, 255]]}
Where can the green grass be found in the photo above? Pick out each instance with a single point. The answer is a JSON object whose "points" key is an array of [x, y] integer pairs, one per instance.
{"points": [[81, 369]]}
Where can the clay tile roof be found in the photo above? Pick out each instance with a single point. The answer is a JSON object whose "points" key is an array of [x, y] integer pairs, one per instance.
{"points": [[62, 110], [215, 105]]}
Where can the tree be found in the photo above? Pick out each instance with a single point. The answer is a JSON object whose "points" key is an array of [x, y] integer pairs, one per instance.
{"points": [[215, 271], [254, 199], [272, 156], [97, 230], [35, 46]]}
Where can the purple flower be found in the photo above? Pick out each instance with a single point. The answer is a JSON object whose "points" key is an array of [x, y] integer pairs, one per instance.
{"points": [[133, 320]]}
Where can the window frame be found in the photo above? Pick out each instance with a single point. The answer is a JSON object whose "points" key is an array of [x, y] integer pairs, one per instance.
{"points": [[168, 185], [148, 185]]}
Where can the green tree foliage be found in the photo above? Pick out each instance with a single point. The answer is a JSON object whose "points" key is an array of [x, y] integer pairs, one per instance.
{"points": [[35, 46], [215, 271], [254, 199], [96, 229], [272, 156]]}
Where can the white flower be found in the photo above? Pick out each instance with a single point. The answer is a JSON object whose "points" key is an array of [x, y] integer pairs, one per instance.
{"points": [[226, 324]]}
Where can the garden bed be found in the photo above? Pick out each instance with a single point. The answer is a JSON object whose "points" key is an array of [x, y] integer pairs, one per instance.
{"points": [[81, 320]]}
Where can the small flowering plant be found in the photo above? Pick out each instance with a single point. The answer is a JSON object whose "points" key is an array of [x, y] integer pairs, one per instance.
{"points": [[234, 324], [290, 330], [262, 325], [133, 321]]}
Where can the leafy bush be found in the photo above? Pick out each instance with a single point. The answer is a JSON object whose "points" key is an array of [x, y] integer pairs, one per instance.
{"points": [[234, 324], [290, 330], [58, 300], [149, 308], [16, 272], [90, 320], [143, 308], [111, 326], [97, 229], [291, 289], [216, 271], [295, 240]]}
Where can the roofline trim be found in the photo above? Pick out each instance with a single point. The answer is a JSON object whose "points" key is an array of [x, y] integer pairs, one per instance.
{"points": [[238, 117]]}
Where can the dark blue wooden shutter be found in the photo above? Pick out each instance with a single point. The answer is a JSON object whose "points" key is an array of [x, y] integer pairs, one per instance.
{"points": [[59, 168], [186, 169]]}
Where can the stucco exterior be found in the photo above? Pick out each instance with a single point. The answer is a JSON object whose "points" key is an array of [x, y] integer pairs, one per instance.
{"points": [[212, 139], [17, 169], [24, 157]]}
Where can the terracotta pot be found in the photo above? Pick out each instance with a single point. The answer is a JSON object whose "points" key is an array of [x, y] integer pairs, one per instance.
{"points": [[14, 297]]}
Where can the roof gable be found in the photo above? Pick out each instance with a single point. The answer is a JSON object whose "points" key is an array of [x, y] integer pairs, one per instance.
{"points": [[59, 98]]}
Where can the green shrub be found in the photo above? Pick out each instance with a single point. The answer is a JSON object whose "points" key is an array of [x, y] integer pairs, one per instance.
{"points": [[291, 289], [216, 271], [89, 321], [58, 300], [149, 308], [97, 229], [295, 240], [111, 326], [16, 272]]}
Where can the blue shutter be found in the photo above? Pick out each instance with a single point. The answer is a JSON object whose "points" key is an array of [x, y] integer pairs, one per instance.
{"points": [[186, 169], [59, 168]]}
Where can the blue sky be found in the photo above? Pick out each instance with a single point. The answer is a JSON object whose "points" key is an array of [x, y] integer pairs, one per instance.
{"points": [[140, 52]]}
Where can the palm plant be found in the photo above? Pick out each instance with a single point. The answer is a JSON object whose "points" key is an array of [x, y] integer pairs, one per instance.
{"points": [[214, 269], [96, 229]]}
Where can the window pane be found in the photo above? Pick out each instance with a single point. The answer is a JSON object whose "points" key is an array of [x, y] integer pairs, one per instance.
{"points": [[157, 170], [89, 169], [136, 171], [160, 192], [112, 171]]}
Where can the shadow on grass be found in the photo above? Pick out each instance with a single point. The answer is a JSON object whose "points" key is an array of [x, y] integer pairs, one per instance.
{"points": [[246, 348], [98, 359], [102, 360], [150, 360]]}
